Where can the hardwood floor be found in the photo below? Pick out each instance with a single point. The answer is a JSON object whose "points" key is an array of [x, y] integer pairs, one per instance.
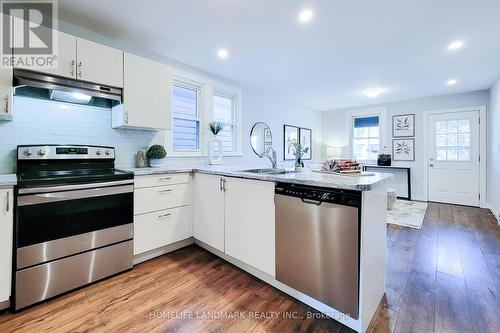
{"points": [[443, 278]]}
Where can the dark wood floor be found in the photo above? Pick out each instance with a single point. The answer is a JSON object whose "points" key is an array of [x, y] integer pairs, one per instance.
{"points": [[443, 278]]}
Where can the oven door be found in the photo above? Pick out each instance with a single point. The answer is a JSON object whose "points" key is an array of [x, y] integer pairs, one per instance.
{"points": [[60, 221]]}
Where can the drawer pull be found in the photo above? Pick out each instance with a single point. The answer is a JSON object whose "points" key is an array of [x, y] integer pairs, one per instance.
{"points": [[164, 191], [164, 215], [165, 179]]}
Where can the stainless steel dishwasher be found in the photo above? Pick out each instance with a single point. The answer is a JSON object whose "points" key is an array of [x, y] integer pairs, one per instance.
{"points": [[317, 243]]}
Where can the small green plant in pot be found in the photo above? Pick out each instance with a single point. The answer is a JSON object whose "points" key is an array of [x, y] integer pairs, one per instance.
{"points": [[298, 152], [215, 127], [156, 154]]}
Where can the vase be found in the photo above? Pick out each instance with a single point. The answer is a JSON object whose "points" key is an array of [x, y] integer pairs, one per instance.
{"points": [[299, 165], [154, 163], [215, 151], [141, 159]]}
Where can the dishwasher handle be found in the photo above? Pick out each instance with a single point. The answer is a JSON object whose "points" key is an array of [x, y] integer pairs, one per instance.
{"points": [[311, 202]]}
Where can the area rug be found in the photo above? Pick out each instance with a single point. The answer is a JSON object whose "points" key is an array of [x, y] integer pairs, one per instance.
{"points": [[407, 213]]}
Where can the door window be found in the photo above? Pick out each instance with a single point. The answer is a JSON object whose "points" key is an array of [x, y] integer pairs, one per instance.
{"points": [[453, 140]]}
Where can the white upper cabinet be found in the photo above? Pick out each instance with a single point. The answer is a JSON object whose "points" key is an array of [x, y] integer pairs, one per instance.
{"points": [[6, 231], [6, 94], [147, 92], [66, 56], [249, 223], [99, 63], [208, 210]]}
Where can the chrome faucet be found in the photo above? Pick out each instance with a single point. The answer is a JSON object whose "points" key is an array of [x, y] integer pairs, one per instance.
{"points": [[272, 157]]}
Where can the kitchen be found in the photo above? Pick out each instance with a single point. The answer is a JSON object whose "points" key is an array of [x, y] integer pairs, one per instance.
{"points": [[172, 197]]}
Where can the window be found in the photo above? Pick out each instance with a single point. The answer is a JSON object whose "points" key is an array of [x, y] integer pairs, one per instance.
{"points": [[224, 112], [365, 138], [185, 110], [453, 140]]}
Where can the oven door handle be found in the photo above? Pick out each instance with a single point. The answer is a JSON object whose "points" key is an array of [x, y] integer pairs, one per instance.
{"points": [[48, 189], [41, 198]]}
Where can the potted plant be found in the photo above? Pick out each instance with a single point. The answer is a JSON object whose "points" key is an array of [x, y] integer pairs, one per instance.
{"points": [[214, 144], [156, 154], [298, 152]]}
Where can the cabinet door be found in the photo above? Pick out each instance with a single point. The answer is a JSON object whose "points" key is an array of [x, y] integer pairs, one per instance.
{"points": [[208, 210], [66, 56], [65, 51], [99, 63], [6, 225], [147, 90], [249, 229], [6, 94]]}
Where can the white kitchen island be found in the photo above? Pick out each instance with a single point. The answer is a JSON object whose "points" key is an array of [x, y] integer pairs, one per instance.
{"points": [[233, 216]]}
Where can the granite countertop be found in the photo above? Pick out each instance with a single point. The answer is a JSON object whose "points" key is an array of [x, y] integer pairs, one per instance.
{"points": [[307, 177], [8, 180]]}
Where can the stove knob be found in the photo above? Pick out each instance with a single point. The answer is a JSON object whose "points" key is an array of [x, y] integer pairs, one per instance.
{"points": [[28, 152], [98, 152], [41, 152], [107, 152]]}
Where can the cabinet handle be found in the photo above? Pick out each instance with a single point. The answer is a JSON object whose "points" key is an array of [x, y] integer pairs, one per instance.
{"points": [[7, 202], [164, 191], [79, 69], [7, 105], [165, 179], [164, 215], [126, 117], [220, 184], [223, 184], [73, 67]]}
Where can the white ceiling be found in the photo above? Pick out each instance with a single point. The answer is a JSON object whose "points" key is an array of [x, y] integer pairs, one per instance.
{"points": [[349, 46]]}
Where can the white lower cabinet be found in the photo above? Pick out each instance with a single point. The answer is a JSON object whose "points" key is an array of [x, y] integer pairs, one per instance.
{"points": [[162, 213], [164, 227], [249, 222], [236, 216], [6, 225], [208, 210]]}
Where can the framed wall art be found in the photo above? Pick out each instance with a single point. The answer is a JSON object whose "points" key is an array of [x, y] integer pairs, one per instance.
{"points": [[290, 136], [403, 125], [305, 139], [403, 149]]}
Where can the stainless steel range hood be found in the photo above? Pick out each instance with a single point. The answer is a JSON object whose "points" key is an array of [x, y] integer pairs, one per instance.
{"points": [[53, 83]]}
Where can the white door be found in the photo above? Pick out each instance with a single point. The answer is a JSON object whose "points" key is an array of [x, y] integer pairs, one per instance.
{"points": [[249, 216], [208, 210], [6, 229], [98, 63], [453, 158]]}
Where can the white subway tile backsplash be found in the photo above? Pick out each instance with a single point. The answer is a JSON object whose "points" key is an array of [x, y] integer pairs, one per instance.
{"points": [[48, 122]]}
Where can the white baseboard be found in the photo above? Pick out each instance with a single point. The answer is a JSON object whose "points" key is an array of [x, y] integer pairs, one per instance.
{"points": [[4, 305], [162, 250], [494, 211]]}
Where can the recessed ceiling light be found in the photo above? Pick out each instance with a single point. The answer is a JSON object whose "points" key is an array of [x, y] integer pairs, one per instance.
{"points": [[456, 45], [222, 53], [372, 92], [305, 15], [451, 82]]}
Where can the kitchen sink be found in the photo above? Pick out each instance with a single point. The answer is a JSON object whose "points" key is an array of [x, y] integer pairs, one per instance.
{"points": [[269, 171]]}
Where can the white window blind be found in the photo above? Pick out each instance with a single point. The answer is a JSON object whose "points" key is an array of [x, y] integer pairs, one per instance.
{"points": [[224, 113], [186, 128]]}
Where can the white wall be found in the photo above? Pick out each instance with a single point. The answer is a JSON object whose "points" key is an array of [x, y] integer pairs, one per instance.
{"points": [[493, 174], [336, 132]]}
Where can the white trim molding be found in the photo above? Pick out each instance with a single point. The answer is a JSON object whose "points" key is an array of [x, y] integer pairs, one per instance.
{"points": [[494, 211], [482, 148]]}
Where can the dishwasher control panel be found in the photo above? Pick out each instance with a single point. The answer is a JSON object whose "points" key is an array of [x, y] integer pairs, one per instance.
{"points": [[320, 194]]}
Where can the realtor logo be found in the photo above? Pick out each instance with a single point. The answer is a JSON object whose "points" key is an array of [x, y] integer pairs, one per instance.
{"points": [[28, 37]]}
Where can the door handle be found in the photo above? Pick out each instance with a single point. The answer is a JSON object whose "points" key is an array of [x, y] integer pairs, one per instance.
{"points": [[311, 202]]}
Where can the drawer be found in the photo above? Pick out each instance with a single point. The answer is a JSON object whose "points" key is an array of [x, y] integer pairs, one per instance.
{"points": [[151, 199], [154, 230], [161, 180]]}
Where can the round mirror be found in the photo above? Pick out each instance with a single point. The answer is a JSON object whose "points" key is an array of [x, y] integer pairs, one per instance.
{"points": [[261, 138]]}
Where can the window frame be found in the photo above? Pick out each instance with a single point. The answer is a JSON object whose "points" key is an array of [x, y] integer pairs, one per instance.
{"points": [[367, 137], [381, 113], [207, 87], [199, 107], [234, 117]]}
